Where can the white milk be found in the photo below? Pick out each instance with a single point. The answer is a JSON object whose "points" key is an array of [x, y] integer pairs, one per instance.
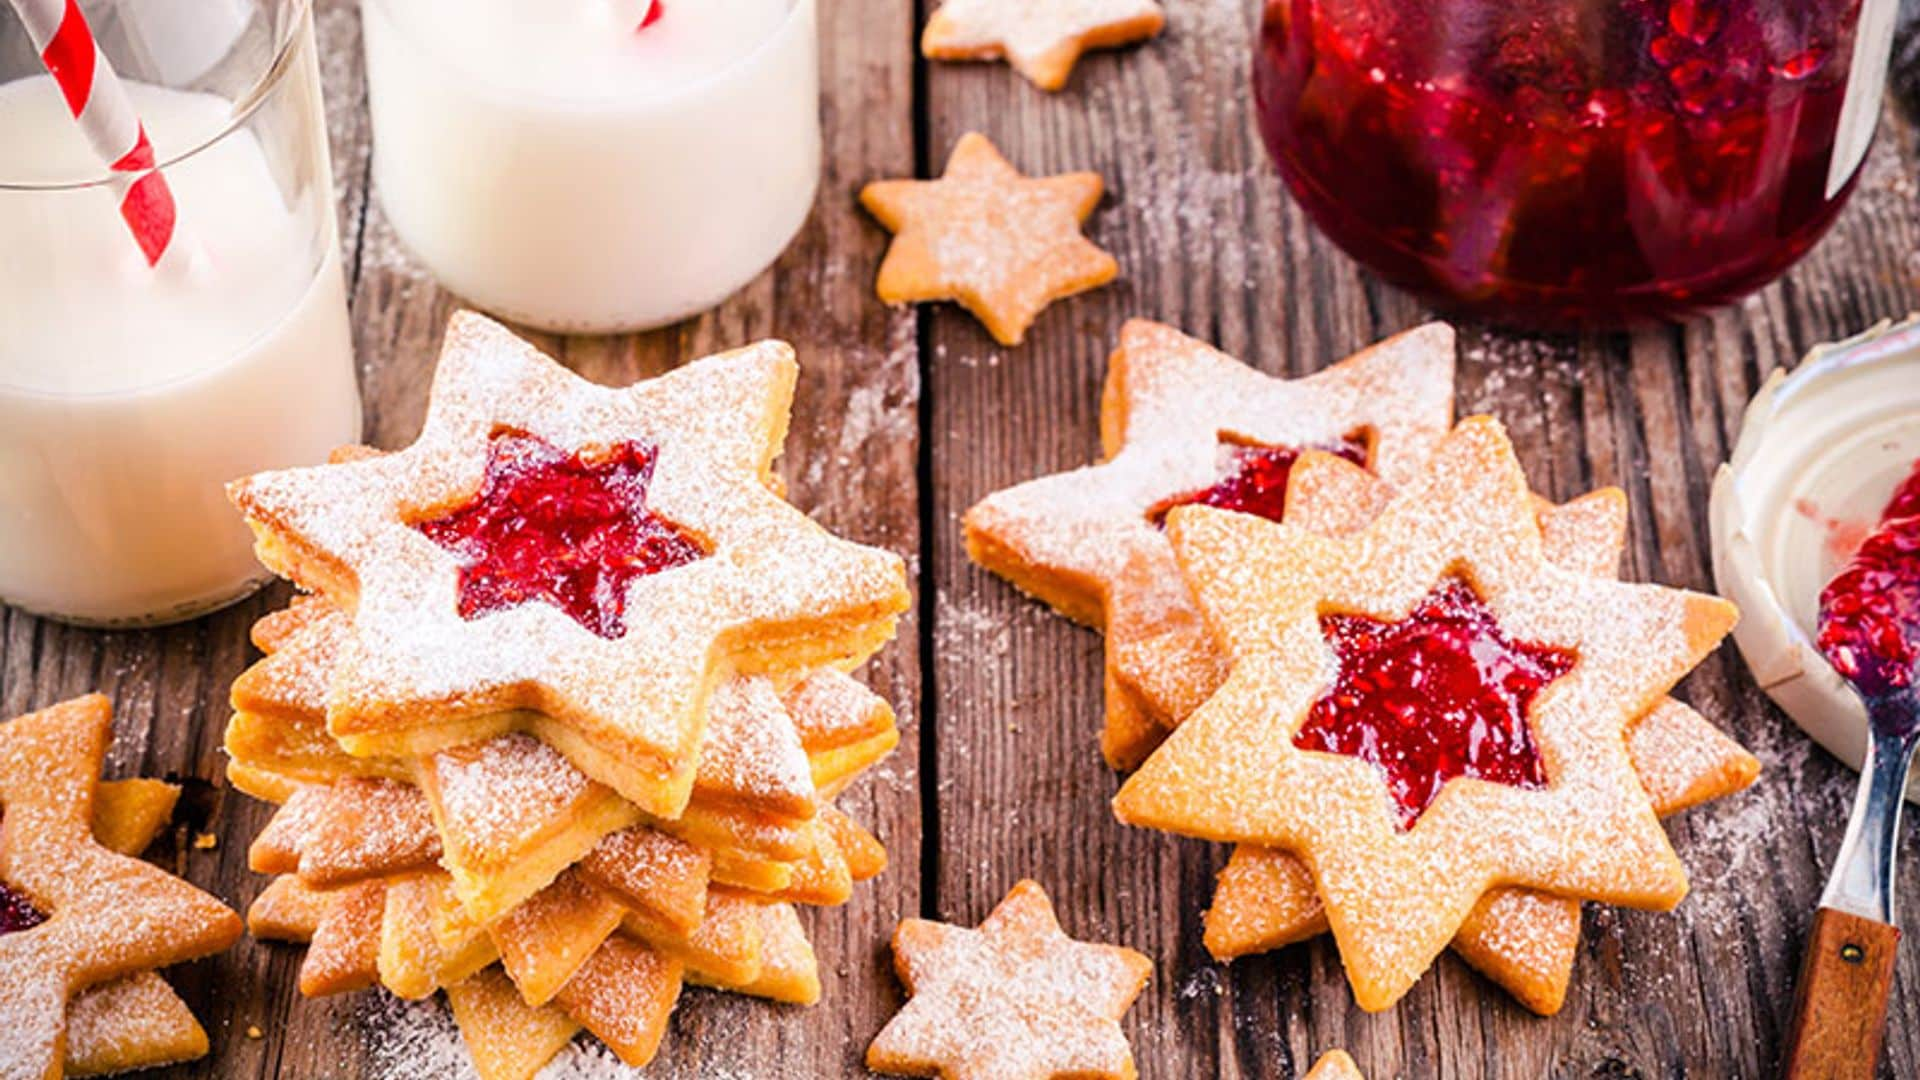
{"points": [[128, 396], [552, 165]]}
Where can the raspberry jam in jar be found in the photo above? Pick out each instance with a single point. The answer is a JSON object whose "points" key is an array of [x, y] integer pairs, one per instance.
{"points": [[1565, 162]]}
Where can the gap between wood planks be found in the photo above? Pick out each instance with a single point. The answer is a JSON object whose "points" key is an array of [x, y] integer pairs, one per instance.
{"points": [[929, 731]]}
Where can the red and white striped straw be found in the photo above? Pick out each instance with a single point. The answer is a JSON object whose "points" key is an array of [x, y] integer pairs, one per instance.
{"points": [[99, 102], [641, 14]]}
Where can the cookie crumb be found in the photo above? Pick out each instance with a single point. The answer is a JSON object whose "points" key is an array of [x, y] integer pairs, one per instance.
{"points": [[205, 841]]}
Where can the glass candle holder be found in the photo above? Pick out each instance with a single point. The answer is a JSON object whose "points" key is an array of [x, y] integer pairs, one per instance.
{"points": [[1572, 161], [559, 165], [131, 393]]}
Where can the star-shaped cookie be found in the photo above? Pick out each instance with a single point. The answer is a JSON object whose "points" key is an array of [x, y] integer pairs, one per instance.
{"points": [[1334, 1065], [1524, 941], [107, 915], [1042, 39], [1175, 416], [1014, 1000], [1462, 537], [688, 452], [1002, 244]]}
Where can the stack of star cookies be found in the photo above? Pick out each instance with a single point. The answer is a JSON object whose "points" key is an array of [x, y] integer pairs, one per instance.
{"points": [[562, 724], [1344, 636]]}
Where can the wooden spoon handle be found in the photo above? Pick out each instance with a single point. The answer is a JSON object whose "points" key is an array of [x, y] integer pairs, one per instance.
{"points": [[1840, 1008]]}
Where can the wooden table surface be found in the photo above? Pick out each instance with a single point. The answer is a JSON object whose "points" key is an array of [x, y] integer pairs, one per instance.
{"points": [[905, 417]]}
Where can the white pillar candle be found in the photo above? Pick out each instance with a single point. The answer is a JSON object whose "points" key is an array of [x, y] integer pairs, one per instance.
{"points": [[130, 395], [552, 162]]}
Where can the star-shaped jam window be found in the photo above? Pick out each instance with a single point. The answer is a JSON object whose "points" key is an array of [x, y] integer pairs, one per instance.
{"points": [[1395, 896], [1183, 423], [1015, 999], [97, 915], [1042, 40], [1002, 244], [1525, 941], [1440, 694], [560, 528], [430, 666]]}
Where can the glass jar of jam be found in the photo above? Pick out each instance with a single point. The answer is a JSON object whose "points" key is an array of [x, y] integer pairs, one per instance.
{"points": [[1572, 161]]}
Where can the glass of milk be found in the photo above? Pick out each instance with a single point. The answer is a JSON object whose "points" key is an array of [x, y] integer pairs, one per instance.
{"points": [[556, 163], [129, 394]]}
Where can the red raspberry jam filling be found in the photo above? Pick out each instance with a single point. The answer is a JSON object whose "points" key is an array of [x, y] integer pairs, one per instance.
{"points": [[563, 529], [1439, 694], [1253, 479], [17, 913], [1870, 612]]}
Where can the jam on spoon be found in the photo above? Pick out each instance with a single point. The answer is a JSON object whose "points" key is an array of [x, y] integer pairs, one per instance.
{"points": [[1870, 633], [1253, 479], [1870, 612], [1441, 693], [564, 529]]}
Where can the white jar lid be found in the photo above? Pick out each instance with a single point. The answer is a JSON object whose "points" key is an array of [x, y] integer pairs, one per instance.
{"points": [[1820, 452]]}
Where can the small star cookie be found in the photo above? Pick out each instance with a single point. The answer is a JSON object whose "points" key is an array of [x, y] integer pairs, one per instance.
{"points": [[1014, 1000], [1002, 244], [1441, 621], [1184, 422], [1042, 39], [99, 915], [597, 557], [1334, 1065]]}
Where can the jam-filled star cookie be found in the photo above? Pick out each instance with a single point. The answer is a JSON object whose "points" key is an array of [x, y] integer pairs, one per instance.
{"points": [[1522, 940], [1425, 710], [598, 556], [1015, 999], [1183, 423], [1001, 244], [1042, 39], [73, 914]]}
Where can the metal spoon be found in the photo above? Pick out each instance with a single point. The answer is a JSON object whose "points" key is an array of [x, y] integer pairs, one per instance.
{"points": [[1840, 1008]]}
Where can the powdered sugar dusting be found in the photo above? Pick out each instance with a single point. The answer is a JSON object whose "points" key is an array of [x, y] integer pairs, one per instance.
{"points": [[1013, 998], [752, 749], [1003, 244], [1395, 898], [830, 709], [497, 794], [1029, 31], [1177, 398], [1522, 940], [346, 529]]}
